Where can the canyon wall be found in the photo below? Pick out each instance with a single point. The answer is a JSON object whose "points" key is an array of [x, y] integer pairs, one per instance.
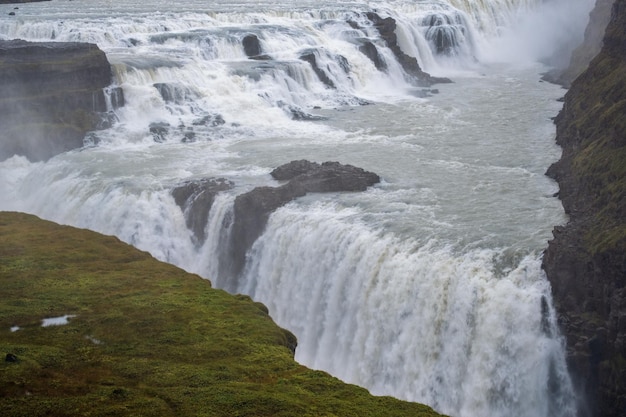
{"points": [[51, 94], [586, 260]]}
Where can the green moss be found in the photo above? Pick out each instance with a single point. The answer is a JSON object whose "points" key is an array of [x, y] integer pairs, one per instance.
{"points": [[147, 339], [596, 128]]}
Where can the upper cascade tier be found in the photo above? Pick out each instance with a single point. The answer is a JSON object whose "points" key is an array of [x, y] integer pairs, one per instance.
{"points": [[182, 65]]}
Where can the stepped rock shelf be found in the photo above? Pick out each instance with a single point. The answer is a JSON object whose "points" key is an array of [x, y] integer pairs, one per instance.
{"points": [[145, 338]]}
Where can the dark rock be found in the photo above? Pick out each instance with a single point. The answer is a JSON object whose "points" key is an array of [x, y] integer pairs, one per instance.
{"points": [[189, 136], [581, 56], [297, 113], [159, 131], [210, 120], [116, 95], [11, 13], [174, 93], [312, 59], [293, 169], [386, 28], [195, 198], [252, 209], [421, 93], [261, 57], [343, 63], [369, 50], [51, 94], [586, 261], [353, 24], [106, 121], [251, 45], [11, 358]]}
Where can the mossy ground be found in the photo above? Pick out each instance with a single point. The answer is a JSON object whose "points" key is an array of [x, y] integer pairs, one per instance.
{"points": [[147, 339]]}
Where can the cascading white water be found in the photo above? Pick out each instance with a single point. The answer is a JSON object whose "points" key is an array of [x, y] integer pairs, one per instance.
{"points": [[427, 286], [366, 306]]}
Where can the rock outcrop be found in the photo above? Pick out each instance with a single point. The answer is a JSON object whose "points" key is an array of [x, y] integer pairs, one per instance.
{"points": [[310, 57], [51, 94], [252, 209], [195, 198], [251, 45], [369, 50], [387, 29], [586, 260]]}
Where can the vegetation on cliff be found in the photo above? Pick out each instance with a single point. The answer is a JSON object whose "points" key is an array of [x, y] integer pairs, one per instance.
{"points": [[588, 49], [145, 338], [586, 262]]}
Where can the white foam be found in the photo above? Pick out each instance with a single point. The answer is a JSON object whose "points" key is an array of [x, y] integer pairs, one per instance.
{"points": [[57, 321]]}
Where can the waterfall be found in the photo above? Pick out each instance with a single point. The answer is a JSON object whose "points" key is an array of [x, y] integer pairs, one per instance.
{"points": [[420, 322], [426, 287]]}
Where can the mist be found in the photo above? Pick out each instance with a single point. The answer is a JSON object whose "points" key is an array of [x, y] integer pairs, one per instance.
{"points": [[548, 33]]}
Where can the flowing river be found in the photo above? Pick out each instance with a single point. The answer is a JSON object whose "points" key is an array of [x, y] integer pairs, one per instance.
{"points": [[428, 286]]}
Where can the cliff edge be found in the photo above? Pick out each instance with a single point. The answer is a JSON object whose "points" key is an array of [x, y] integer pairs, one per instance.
{"points": [[50, 96], [92, 326], [586, 260]]}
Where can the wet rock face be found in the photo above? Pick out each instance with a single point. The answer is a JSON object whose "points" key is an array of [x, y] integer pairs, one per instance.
{"points": [[443, 33], [311, 59], [387, 29], [252, 209], [251, 45], [369, 50], [51, 94], [196, 198], [586, 261]]}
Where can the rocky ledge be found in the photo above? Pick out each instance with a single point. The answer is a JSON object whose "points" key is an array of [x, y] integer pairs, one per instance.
{"points": [[586, 260], [51, 94], [252, 210], [387, 29], [195, 198]]}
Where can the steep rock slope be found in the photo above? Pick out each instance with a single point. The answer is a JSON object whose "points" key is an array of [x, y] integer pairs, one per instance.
{"points": [[144, 338], [586, 261], [50, 96], [585, 52]]}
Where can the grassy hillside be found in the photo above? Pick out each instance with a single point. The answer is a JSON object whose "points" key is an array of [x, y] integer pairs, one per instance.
{"points": [[145, 339]]}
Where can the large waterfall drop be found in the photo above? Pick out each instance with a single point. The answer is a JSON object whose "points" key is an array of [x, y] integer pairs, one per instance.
{"points": [[427, 286]]}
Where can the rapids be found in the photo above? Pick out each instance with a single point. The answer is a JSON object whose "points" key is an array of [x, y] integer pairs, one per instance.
{"points": [[427, 286]]}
